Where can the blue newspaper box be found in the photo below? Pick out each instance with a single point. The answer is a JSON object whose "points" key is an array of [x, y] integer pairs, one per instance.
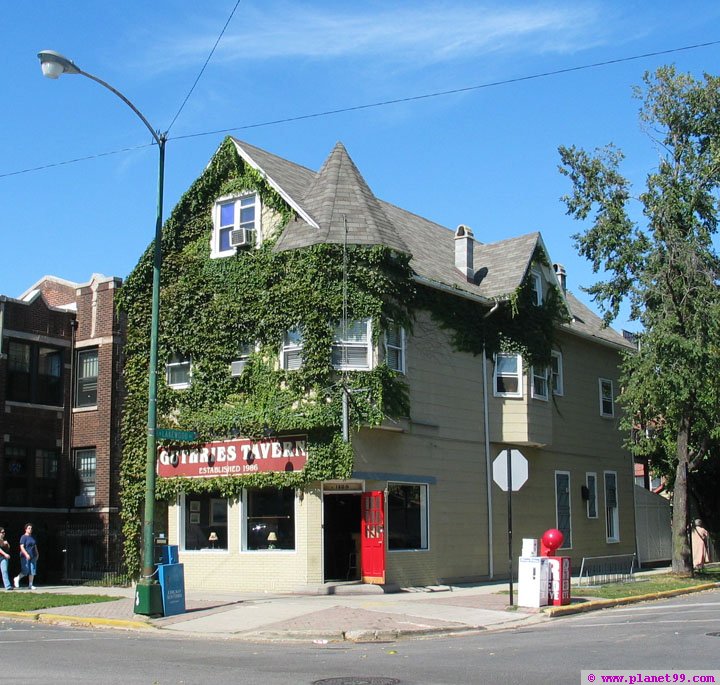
{"points": [[172, 585], [166, 554]]}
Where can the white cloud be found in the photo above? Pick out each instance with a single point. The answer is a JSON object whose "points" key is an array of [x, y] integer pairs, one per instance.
{"points": [[418, 33]]}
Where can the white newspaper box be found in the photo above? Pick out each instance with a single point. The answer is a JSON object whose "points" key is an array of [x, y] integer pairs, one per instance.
{"points": [[533, 580]]}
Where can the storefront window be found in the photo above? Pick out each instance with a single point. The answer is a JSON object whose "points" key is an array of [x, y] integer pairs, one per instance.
{"points": [[206, 521], [407, 516], [270, 519]]}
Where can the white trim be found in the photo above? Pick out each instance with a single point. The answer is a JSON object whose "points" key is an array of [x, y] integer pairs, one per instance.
{"points": [[519, 374], [276, 186], [402, 349], [234, 198], [602, 397], [561, 391], [537, 281], [186, 360], [343, 345], [291, 347], [531, 378], [616, 509], [587, 504], [569, 496], [242, 501]]}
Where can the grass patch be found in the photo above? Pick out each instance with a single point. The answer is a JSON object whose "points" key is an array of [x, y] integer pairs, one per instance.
{"points": [[647, 584], [26, 600]]}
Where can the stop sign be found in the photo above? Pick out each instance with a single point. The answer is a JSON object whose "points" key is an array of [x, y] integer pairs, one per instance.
{"points": [[519, 470]]}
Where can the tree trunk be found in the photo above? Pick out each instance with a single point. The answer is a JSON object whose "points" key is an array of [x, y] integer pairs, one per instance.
{"points": [[681, 553]]}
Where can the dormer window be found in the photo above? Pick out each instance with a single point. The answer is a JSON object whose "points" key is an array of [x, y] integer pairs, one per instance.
{"points": [[235, 224], [536, 293]]}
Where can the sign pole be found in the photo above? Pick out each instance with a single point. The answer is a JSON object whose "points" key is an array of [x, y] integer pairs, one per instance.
{"points": [[509, 504]]}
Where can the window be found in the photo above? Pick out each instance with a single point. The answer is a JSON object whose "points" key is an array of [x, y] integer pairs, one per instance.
{"points": [[508, 375], [46, 464], [270, 519], [205, 521], [244, 352], [562, 507], [540, 382], [15, 474], [235, 223], [407, 516], [85, 470], [611, 507], [292, 350], [536, 293], [607, 402], [34, 373], [591, 485], [351, 346], [395, 347], [556, 374], [86, 378], [178, 371]]}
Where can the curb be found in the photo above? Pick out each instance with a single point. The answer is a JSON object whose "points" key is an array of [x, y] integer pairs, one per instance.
{"points": [[553, 612], [40, 617]]}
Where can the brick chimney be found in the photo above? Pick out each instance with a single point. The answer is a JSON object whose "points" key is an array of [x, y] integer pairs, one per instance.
{"points": [[464, 251]]}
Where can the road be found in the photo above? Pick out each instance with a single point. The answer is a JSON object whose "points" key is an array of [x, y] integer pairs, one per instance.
{"points": [[668, 634]]}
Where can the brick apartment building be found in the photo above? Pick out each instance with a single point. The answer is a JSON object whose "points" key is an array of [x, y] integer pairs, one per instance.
{"points": [[60, 394]]}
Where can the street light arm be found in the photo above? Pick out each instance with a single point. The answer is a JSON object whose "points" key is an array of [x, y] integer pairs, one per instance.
{"points": [[54, 64]]}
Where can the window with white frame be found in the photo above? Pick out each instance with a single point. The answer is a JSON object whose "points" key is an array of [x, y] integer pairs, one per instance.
{"points": [[351, 348], [269, 519], [245, 349], [407, 507], [536, 288], [562, 507], [591, 502], [507, 380], [612, 520], [556, 374], [291, 356], [205, 521], [540, 382], [235, 224], [178, 371], [607, 397], [86, 378], [395, 347]]}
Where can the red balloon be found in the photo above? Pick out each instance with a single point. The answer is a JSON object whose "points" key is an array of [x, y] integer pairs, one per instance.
{"points": [[552, 539]]}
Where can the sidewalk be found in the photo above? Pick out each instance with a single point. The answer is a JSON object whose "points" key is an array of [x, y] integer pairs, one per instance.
{"points": [[352, 612], [328, 613]]}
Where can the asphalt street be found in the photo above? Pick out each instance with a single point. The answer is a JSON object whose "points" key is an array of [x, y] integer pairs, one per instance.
{"points": [[680, 633]]}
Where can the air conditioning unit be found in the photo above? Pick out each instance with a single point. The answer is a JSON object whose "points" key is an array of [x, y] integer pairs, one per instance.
{"points": [[84, 501], [236, 367], [238, 237]]}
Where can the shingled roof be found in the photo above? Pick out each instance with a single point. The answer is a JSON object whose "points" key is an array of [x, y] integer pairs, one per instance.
{"points": [[325, 200]]}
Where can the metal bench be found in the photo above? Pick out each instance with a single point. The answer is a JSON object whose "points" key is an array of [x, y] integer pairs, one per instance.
{"points": [[609, 569]]}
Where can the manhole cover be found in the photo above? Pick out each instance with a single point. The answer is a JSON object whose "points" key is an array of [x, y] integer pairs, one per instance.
{"points": [[357, 680]]}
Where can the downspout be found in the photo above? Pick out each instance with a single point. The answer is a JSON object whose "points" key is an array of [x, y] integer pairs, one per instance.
{"points": [[488, 479]]}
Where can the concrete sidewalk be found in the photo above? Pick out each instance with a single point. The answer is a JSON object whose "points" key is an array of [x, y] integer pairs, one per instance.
{"points": [[326, 613], [351, 612]]}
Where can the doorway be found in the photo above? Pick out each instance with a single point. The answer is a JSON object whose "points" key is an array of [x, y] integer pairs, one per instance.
{"points": [[341, 536]]}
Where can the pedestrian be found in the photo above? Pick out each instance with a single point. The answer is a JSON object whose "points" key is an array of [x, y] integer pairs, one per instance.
{"points": [[4, 560], [700, 550], [28, 557]]}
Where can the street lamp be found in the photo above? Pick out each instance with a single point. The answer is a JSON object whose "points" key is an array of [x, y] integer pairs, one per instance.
{"points": [[148, 598]]}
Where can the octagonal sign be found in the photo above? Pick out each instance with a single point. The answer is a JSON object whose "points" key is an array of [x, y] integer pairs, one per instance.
{"points": [[519, 466]]}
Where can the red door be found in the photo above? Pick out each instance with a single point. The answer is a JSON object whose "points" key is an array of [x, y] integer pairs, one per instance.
{"points": [[372, 546]]}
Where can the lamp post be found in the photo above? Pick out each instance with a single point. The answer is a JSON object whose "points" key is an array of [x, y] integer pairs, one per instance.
{"points": [[148, 599]]}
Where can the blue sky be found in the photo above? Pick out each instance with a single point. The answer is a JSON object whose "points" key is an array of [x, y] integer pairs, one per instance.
{"points": [[486, 158]]}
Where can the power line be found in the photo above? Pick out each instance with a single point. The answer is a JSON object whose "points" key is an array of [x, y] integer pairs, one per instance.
{"points": [[381, 103], [187, 97], [453, 91]]}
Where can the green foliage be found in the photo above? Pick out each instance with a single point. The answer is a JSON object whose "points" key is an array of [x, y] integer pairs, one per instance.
{"points": [[668, 271]]}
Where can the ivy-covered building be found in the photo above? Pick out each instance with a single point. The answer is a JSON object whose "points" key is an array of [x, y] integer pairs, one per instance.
{"points": [[352, 371]]}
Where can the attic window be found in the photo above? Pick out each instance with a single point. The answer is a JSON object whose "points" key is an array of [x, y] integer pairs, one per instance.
{"points": [[536, 288], [235, 224]]}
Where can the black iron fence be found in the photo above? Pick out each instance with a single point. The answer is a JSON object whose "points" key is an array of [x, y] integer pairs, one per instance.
{"points": [[93, 555]]}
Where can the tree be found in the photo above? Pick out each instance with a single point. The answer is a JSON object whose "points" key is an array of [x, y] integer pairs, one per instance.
{"points": [[666, 267]]}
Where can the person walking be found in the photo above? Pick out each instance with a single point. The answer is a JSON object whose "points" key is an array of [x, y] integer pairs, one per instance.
{"points": [[28, 557], [700, 546], [5, 560]]}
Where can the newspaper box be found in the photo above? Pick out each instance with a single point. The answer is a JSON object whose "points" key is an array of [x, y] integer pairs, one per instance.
{"points": [[559, 588], [533, 580]]}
